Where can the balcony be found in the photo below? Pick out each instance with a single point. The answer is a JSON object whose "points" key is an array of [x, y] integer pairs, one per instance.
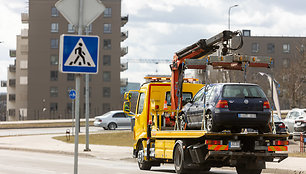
{"points": [[124, 35], [12, 68], [124, 51], [124, 20], [3, 83], [24, 33], [12, 97], [123, 82], [12, 53], [25, 18], [124, 66], [12, 82]]}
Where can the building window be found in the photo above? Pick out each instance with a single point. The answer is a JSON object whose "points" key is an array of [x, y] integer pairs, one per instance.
{"points": [[286, 62], [70, 28], [54, 27], [255, 47], [108, 12], [270, 47], [286, 48], [106, 60], [69, 108], [106, 76], [54, 12], [70, 77], [54, 60], [106, 107], [11, 112], [106, 92], [53, 75], [53, 92], [54, 43], [107, 28], [12, 97], [53, 107], [107, 44]]}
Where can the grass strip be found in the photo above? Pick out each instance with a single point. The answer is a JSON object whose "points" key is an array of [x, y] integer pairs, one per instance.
{"points": [[118, 138]]}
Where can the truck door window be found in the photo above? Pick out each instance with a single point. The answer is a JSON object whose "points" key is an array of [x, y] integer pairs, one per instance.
{"points": [[140, 103], [186, 96]]}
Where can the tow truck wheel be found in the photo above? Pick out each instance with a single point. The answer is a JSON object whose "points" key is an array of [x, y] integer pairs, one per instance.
{"points": [[244, 170], [142, 164], [179, 160]]}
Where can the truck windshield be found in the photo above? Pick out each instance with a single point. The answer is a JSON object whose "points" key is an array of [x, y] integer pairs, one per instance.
{"points": [[187, 96]]}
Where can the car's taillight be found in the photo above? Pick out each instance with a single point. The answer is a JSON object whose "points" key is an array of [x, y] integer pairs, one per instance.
{"points": [[280, 143], [282, 125], [222, 104], [100, 120], [266, 105], [213, 142]]}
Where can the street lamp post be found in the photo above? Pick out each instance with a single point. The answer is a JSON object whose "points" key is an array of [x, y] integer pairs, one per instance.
{"points": [[229, 16]]}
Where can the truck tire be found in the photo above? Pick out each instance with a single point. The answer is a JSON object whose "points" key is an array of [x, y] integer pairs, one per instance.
{"points": [[179, 159], [142, 164], [244, 170]]}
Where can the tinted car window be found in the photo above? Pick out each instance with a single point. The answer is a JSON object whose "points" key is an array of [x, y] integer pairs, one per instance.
{"points": [[199, 95], [119, 115], [242, 91]]}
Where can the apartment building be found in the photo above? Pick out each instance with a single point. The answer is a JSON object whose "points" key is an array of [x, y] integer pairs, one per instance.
{"points": [[40, 90]]}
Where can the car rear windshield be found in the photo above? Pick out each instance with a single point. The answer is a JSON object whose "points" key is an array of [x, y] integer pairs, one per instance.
{"points": [[242, 91]]}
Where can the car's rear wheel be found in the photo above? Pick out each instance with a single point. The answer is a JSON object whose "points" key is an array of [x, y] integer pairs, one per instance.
{"points": [[210, 124], [112, 126]]}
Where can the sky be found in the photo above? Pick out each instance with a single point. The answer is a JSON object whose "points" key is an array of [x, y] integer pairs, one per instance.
{"points": [[159, 28]]}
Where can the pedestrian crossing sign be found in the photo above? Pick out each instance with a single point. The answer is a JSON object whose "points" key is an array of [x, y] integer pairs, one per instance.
{"points": [[79, 54]]}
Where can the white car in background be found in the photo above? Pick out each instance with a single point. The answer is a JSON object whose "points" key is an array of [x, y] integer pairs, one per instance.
{"points": [[290, 119], [113, 120]]}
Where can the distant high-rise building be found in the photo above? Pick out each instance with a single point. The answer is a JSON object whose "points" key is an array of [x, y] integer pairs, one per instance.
{"points": [[37, 90]]}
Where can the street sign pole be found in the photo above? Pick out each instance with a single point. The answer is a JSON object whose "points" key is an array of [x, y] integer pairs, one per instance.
{"points": [[87, 107], [77, 100]]}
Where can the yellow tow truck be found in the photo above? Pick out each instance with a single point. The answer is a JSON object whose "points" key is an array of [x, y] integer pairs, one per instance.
{"points": [[159, 138]]}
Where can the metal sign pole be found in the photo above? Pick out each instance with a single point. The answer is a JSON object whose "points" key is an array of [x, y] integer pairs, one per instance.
{"points": [[77, 100], [72, 116]]}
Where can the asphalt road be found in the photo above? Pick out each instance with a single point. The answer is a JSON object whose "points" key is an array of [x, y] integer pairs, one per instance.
{"points": [[16, 162]]}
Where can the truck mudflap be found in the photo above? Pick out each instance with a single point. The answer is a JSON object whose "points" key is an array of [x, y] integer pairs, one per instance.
{"points": [[229, 155]]}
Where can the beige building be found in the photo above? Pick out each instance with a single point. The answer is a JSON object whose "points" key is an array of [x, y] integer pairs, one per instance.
{"points": [[40, 90]]}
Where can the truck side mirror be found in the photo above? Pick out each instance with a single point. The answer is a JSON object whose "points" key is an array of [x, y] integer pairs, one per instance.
{"points": [[127, 107], [127, 96]]}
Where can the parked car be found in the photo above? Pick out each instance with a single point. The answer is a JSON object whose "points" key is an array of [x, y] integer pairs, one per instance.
{"points": [[230, 106], [290, 119], [299, 127], [279, 124], [113, 120]]}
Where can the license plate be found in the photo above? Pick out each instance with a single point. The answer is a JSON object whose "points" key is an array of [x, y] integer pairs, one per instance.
{"points": [[234, 144], [246, 115]]}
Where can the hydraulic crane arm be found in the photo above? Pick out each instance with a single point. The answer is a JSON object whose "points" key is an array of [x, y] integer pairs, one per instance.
{"points": [[197, 50]]}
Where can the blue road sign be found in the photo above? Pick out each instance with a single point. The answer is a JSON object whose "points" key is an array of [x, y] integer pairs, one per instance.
{"points": [[72, 94], [79, 54]]}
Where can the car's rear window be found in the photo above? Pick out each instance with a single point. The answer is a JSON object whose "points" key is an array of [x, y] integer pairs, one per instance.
{"points": [[242, 91]]}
